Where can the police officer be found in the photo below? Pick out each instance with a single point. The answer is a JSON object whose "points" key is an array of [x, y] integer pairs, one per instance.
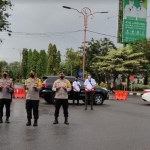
{"points": [[130, 10], [76, 90], [89, 85], [61, 87], [32, 87], [6, 88], [141, 11]]}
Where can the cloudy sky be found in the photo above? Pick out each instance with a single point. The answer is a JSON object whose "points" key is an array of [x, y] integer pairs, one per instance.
{"points": [[36, 23]]}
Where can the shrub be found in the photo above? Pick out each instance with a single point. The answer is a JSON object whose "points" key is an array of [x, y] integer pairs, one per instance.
{"points": [[139, 87]]}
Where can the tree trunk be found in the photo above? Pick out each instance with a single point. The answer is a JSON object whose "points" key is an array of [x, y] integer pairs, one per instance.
{"points": [[146, 80]]}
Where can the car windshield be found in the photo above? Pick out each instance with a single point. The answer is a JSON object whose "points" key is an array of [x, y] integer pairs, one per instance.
{"points": [[51, 79]]}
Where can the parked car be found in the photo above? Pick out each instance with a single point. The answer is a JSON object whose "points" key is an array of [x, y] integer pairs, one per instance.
{"points": [[146, 97], [46, 92]]}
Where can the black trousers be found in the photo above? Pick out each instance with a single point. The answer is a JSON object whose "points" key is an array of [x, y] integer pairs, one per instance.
{"points": [[32, 104], [5, 102], [88, 96], [58, 103], [76, 96]]}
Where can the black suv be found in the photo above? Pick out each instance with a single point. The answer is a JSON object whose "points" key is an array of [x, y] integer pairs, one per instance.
{"points": [[46, 92]]}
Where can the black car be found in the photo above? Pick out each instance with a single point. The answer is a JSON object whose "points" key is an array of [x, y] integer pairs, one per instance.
{"points": [[46, 92]]}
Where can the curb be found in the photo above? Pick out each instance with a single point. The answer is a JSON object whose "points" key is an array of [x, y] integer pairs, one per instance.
{"points": [[138, 94]]}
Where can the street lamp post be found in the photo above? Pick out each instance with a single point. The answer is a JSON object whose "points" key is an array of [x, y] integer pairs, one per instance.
{"points": [[86, 12]]}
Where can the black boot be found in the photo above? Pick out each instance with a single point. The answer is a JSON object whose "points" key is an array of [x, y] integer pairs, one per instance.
{"points": [[56, 120], [1, 120], [35, 123], [66, 121], [7, 120], [29, 122]]}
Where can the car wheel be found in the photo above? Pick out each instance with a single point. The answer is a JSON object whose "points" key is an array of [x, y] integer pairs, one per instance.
{"points": [[98, 99]]}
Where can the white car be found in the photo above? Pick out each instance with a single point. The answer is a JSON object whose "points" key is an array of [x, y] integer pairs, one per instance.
{"points": [[146, 97]]}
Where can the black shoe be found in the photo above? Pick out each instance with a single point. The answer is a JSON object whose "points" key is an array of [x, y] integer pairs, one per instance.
{"points": [[66, 121], [1, 120], [56, 120], [7, 120], [29, 122], [85, 109], [91, 108], [35, 123]]}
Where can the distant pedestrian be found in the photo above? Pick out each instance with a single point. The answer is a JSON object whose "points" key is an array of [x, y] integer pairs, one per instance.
{"points": [[111, 87], [89, 85], [76, 90], [6, 88], [32, 87], [61, 87]]}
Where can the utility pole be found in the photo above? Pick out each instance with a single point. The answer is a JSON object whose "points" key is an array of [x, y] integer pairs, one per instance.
{"points": [[86, 12]]}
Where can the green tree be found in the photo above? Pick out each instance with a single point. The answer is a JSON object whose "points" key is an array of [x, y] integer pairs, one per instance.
{"points": [[53, 60], [97, 48], [73, 62], [35, 58], [29, 62], [42, 64], [123, 61], [4, 24], [24, 66], [144, 46]]}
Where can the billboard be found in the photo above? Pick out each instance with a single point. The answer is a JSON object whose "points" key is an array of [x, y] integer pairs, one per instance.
{"points": [[134, 20]]}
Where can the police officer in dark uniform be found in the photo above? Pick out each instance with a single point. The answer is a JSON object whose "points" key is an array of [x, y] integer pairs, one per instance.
{"points": [[6, 88]]}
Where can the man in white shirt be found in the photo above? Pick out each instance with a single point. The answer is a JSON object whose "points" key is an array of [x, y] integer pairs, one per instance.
{"points": [[89, 85], [130, 10], [141, 11], [76, 90]]}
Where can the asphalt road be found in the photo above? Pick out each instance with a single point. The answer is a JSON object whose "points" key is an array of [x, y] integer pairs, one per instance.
{"points": [[116, 125]]}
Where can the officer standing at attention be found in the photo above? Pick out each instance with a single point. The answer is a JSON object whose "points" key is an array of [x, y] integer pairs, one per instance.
{"points": [[32, 86], [6, 88], [89, 85], [76, 90], [61, 87]]}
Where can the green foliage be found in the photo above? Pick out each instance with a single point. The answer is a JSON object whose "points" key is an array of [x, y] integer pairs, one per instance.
{"points": [[97, 48], [41, 64], [144, 47], [24, 67], [4, 24], [73, 62], [29, 62], [139, 87], [35, 58], [54, 60], [122, 61]]}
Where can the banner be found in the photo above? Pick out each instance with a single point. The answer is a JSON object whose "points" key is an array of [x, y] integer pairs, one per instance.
{"points": [[134, 20]]}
